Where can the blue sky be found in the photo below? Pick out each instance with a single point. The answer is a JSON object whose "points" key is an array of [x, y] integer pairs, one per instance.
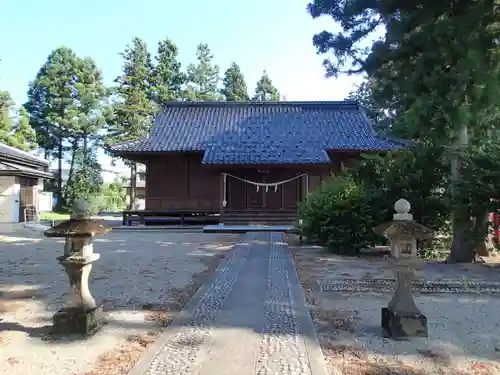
{"points": [[260, 34]]}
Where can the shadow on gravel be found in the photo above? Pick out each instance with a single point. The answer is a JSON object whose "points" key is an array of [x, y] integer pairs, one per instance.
{"points": [[134, 274], [42, 332], [130, 276]]}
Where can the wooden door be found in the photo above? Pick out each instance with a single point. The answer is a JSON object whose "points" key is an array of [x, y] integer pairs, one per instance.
{"points": [[27, 199], [255, 197], [26, 203], [274, 196]]}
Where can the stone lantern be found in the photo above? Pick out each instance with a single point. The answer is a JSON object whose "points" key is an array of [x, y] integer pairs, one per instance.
{"points": [[402, 318], [80, 313]]}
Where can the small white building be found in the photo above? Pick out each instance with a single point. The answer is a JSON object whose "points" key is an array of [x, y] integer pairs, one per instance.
{"points": [[21, 182]]}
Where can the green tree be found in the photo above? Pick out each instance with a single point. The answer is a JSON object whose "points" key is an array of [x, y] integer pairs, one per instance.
{"points": [[52, 106], [265, 91], [65, 106], [203, 77], [167, 79], [6, 125], [234, 86], [93, 103], [20, 135], [437, 66], [93, 111], [364, 95], [133, 109], [86, 180], [24, 136], [114, 196], [5, 116]]}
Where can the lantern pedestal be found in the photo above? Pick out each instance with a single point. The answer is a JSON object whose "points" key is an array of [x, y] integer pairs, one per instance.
{"points": [[402, 318], [80, 314], [75, 320], [399, 325]]}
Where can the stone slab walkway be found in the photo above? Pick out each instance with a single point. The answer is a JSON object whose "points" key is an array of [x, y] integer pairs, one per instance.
{"points": [[250, 319]]}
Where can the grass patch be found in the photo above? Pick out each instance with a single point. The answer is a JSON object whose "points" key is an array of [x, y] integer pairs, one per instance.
{"points": [[53, 216], [58, 216]]}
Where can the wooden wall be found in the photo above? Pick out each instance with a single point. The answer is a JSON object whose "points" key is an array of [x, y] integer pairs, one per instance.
{"points": [[180, 181]]}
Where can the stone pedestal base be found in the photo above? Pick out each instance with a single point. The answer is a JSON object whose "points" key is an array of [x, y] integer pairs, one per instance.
{"points": [[80, 321], [400, 325]]}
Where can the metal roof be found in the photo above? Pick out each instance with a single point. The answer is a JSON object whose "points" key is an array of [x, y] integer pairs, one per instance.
{"points": [[261, 132], [14, 169], [8, 151]]}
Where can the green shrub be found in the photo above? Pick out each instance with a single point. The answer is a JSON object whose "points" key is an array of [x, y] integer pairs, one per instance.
{"points": [[113, 197], [94, 204], [340, 216]]}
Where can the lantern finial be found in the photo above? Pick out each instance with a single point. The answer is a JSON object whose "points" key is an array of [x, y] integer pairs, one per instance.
{"points": [[402, 208]]}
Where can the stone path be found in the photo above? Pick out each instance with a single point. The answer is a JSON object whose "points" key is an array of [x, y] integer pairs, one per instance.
{"points": [[251, 318]]}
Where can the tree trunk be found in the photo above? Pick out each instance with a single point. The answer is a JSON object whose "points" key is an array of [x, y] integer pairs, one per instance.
{"points": [[74, 147], [483, 245], [85, 144], [133, 184], [460, 252], [59, 202]]}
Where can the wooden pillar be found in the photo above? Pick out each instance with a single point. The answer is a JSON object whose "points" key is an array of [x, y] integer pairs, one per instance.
{"points": [[305, 186], [133, 184], [223, 196], [282, 188]]}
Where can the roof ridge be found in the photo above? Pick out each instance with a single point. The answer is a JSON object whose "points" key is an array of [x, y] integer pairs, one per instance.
{"points": [[321, 103]]}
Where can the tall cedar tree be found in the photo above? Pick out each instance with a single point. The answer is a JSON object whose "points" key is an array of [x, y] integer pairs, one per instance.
{"points": [[92, 97], [234, 86], [167, 79], [133, 108], [203, 77], [265, 91], [93, 114], [438, 65], [62, 100]]}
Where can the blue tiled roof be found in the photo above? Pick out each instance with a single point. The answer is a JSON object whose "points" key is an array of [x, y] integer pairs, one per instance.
{"points": [[260, 132]]}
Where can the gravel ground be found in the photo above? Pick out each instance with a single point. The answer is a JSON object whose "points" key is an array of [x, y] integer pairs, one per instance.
{"points": [[142, 278], [464, 330]]}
